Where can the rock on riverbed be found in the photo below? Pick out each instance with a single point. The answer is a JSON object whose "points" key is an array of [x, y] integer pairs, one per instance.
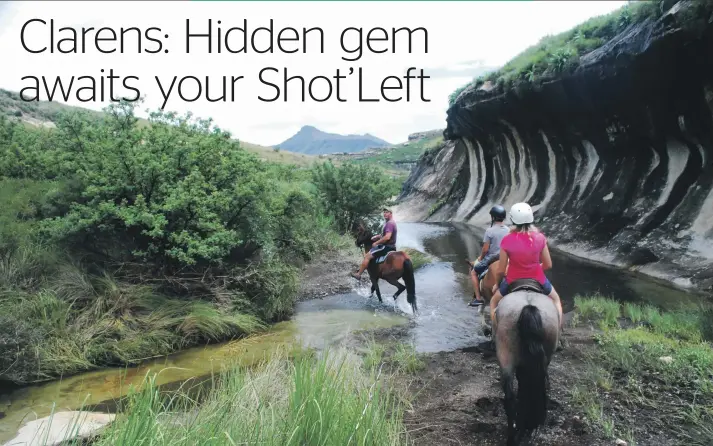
{"points": [[60, 427]]}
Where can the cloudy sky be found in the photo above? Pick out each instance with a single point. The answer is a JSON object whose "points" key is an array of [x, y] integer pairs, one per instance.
{"points": [[464, 38]]}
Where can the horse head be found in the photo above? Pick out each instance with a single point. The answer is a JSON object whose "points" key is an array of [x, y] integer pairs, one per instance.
{"points": [[363, 238], [362, 235]]}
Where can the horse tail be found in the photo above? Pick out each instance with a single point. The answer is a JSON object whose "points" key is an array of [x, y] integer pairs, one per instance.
{"points": [[409, 281], [532, 371]]}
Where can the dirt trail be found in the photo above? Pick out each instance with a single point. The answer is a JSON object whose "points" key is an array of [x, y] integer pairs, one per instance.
{"points": [[458, 398], [461, 399]]}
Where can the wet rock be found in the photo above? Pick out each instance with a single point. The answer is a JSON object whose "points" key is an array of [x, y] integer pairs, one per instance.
{"points": [[62, 426]]}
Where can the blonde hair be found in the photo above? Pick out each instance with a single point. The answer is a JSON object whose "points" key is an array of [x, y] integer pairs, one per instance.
{"points": [[527, 228]]}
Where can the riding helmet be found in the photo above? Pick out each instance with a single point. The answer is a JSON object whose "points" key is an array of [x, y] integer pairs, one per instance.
{"points": [[497, 212], [521, 213]]}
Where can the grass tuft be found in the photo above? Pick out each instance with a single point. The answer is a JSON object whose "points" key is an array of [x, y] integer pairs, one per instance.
{"points": [[659, 369], [322, 400]]}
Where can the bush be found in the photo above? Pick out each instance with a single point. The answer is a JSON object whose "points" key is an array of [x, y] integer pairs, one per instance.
{"points": [[177, 193], [352, 192]]}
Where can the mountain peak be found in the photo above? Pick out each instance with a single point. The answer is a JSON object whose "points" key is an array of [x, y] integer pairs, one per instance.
{"points": [[310, 140]]}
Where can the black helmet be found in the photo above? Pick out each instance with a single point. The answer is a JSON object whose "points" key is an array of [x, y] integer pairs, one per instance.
{"points": [[497, 212]]}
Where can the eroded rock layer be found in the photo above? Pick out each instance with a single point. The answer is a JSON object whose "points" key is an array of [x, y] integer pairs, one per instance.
{"points": [[616, 158]]}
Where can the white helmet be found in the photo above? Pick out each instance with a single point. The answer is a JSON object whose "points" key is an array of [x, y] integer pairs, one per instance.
{"points": [[521, 213]]}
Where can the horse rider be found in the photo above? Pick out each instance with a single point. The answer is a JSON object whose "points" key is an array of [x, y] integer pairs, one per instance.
{"points": [[525, 254], [383, 244], [491, 250]]}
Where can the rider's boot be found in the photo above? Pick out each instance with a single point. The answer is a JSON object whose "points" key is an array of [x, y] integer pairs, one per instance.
{"points": [[362, 267], [475, 302]]}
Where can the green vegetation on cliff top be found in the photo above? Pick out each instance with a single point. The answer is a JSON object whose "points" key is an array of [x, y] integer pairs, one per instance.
{"points": [[556, 55], [122, 240]]}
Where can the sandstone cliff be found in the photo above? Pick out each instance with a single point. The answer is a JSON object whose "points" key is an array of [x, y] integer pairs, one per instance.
{"points": [[616, 157]]}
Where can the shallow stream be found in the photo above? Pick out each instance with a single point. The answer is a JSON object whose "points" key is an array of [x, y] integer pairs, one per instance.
{"points": [[445, 322]]}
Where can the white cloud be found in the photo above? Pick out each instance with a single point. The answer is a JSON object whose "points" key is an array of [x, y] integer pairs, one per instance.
{"points": [[462, 38]]}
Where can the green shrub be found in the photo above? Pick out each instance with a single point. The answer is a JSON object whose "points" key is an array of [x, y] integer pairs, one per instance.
{"points": [[352, 191]]}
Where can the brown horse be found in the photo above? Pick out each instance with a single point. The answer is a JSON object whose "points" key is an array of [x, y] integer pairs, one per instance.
{"points": [[486, 282], [395, 266]]}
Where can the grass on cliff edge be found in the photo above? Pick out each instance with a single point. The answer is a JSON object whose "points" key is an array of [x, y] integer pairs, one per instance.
{"points": [[418, 258], [326, 400], [651, 371], [555, 55]]}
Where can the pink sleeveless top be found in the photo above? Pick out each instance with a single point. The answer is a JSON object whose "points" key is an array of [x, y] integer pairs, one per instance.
{"points": [[523, 251]]}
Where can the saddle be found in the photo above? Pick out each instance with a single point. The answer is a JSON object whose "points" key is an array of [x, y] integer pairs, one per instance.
{"points": [[481, 276], [381, 258], [385, 253], [526, 285]]}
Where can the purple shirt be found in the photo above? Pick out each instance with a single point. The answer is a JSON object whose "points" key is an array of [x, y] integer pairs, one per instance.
{"points": [[390, 226]]}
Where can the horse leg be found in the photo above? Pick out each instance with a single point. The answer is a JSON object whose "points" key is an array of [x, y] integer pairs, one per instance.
{"points": [[400, 288], [508, 385], [375, 287], [504, 353]]}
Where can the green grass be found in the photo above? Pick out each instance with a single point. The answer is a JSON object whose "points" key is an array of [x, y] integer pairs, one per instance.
{"points": [[603, 310], [407, 360], [374, 355], [418, 258], [279, 156], [11, 105], [409, 152], [652, 376], [556, 55], [309, 400], [77, 322], [691, 324]]}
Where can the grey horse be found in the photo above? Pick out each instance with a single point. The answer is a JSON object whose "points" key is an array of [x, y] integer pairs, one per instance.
{"points": [[526, 334]]}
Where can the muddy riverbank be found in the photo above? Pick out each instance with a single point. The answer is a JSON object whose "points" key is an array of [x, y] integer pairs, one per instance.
{"points": [[328, 274], [456, 397]]}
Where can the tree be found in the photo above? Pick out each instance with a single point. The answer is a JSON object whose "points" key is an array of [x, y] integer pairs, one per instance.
{"points": [[352, 191]]}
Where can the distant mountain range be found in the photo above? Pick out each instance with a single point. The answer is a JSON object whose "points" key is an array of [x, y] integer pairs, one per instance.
{"points": [[312, 141]]}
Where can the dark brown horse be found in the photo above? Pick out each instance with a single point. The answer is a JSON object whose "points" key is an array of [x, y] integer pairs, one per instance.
{"points": [[395, 266]]}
